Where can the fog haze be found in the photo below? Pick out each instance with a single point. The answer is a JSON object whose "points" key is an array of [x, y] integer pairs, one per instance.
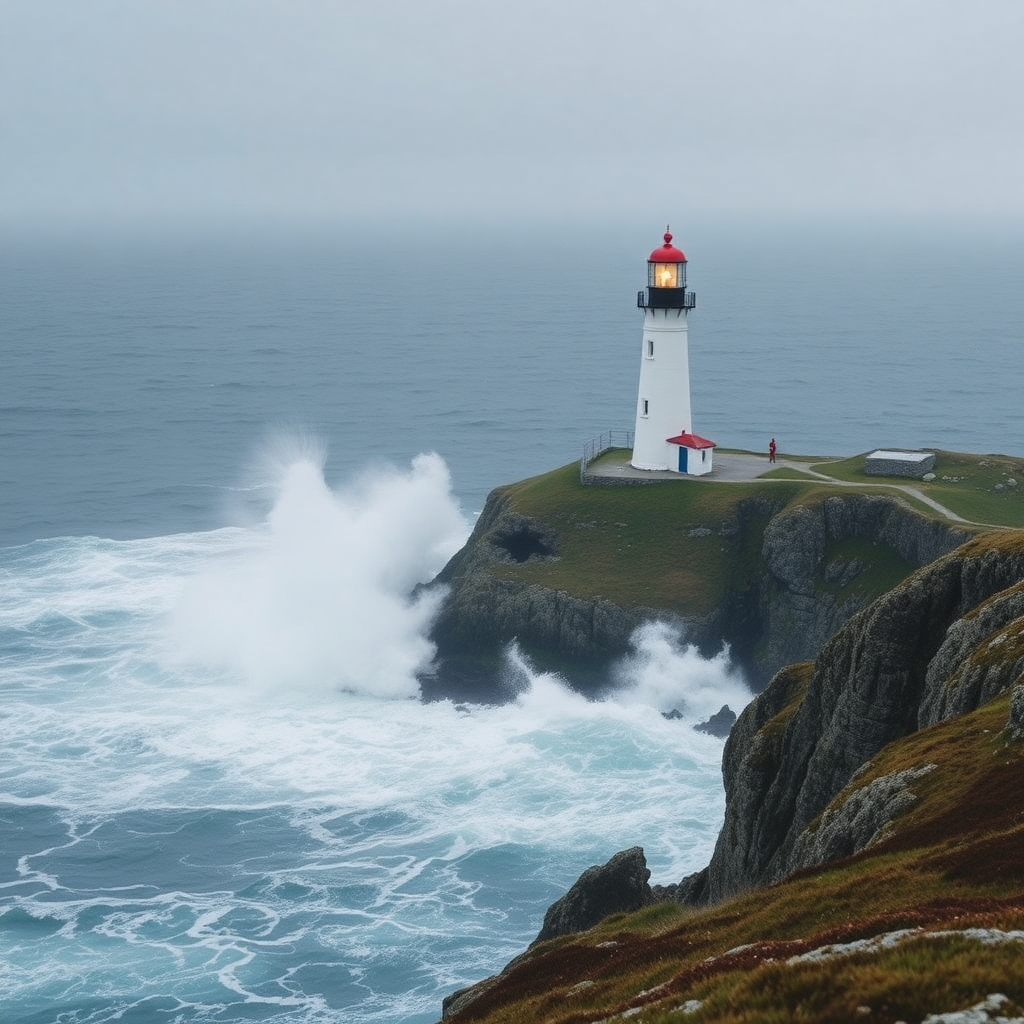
{"points": [[294, 110]]}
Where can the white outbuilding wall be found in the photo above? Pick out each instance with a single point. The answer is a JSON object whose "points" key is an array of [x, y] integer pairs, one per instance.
{"points": [[698, 460]]}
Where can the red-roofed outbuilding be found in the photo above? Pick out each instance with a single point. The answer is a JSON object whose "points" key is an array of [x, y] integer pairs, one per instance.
{"points": [[695, 453]]}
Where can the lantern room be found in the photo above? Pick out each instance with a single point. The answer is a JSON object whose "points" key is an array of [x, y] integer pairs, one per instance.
{"points": [[666, 266], [666, 279]]}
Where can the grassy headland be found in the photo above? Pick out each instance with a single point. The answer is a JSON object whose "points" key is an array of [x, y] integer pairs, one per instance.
{"points": [[676, 544], [929, 916], [663, 545]]}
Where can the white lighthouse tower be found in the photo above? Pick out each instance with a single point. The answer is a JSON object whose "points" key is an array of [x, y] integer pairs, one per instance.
{"points": [[663, 438]]}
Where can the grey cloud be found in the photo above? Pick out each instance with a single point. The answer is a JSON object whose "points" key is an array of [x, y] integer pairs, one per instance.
{"points": [[309, 108]]}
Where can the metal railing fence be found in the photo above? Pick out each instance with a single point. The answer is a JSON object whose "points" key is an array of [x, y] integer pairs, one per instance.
{"points": [[596, 445]]}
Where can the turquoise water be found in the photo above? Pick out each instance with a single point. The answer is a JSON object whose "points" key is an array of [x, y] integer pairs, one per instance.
{"points": [[220, 798]]}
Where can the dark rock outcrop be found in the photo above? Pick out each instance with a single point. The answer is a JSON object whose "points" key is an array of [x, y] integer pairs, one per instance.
{"points": [[620, 885], [719, 724], [483, 613]]}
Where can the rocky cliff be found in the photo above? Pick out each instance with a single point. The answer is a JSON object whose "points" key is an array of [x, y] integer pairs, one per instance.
{"points": [[808, 567], [897, 750], [941, 644]]}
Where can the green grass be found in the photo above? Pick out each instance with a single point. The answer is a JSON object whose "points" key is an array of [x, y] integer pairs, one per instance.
{"points": [[612, 456], [888, 983], [645, 546], [965, 484], [883, 568]]}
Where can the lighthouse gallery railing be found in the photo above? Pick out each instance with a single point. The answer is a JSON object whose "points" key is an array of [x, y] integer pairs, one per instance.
{"points": [[666, 298]]}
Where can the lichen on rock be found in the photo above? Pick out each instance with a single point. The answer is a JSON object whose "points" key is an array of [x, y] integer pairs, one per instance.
{"points": [[861, 820]]}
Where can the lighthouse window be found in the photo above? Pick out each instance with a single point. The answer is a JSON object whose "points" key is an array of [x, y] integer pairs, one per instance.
{"points": [[646, 405], [650, 348]]}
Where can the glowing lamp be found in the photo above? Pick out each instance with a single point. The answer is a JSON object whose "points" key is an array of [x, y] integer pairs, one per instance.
{"points": [[665, 275]]}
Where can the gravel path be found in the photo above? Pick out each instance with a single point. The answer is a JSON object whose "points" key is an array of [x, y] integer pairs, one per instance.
{"points": [[743, 467]]}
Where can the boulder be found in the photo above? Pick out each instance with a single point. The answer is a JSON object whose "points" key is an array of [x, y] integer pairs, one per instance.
{"points": [[861, 820], [719, 724], [618, 886]]}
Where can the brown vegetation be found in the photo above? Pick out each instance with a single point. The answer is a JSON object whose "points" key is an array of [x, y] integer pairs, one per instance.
{"points": [[953, 862]]}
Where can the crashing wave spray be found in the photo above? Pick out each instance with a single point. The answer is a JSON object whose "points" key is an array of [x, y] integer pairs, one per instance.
{"points": [[321, 598], [666, 673], [662, 672], [330, 855]]}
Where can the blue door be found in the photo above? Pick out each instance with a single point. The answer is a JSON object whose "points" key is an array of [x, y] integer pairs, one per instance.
{"points": [[682, 459]]}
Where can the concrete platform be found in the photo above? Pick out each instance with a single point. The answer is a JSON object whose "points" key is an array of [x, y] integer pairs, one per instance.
{"points": [[732, 466]]}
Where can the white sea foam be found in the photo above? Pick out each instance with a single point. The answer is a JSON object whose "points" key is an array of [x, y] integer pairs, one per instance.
{"points": [[265, 831], [299, 602], [665, 672]]}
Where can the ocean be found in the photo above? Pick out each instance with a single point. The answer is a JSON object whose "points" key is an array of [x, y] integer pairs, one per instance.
{"points": [[227, 460]]}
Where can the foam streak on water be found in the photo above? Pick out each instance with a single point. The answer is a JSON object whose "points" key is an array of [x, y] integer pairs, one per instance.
{"points": [[207, 814]]}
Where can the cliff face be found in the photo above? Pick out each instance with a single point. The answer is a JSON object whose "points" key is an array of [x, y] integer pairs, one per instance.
{"points": [[814, 566], [829, 761], [924, 923], [939, 645], [808, 589]]}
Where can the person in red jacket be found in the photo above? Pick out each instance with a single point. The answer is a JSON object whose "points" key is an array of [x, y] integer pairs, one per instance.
{"points": [[771, 450]]}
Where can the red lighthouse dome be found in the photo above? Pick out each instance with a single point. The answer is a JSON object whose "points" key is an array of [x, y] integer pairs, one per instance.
{"points": [[667, 253]]}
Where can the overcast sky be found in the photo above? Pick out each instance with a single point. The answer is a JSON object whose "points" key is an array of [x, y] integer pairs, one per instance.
{"points": [[515, 110]]}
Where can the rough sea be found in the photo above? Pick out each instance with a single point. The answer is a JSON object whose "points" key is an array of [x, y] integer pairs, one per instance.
{"points": [[225, 463]]}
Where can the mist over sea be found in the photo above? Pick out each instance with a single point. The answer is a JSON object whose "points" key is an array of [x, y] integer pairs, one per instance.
{"points": [[225, 463], [144, 378]]}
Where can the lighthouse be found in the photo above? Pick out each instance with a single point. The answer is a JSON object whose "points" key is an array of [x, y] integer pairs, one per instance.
{"points": [[663, 438]]}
